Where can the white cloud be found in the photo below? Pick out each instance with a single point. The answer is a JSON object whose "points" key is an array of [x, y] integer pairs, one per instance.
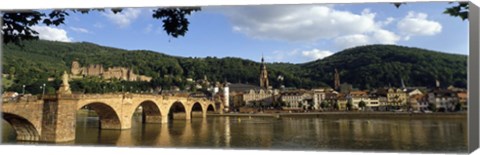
{"points": [[316, 54], [51, 33], [80, 30], [385, 37], [298, 22], [417, 24], [311, 23], [124, 18], [352, 40], [379, 36], [297, 55]]}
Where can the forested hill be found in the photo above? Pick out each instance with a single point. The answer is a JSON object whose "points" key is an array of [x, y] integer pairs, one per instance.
{"points": [[37, 60], [364, 67], [383, 65]]}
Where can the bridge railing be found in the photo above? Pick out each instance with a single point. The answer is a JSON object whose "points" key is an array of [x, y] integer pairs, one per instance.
{"points": [[103, 96], [21, 99], [116, 95]]}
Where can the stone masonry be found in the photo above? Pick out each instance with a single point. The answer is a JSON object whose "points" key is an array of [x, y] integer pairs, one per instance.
{"points": [[98, 70], [53, 118]]}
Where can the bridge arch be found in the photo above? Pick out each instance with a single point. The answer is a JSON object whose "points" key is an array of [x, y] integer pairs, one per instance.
{"points": [[150, 112], [177, 110], [24, 129], [197, 110], [210, 108], [108, 117]]}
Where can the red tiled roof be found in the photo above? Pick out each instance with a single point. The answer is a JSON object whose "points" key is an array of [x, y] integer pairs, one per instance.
{"points": [[462, 95]]}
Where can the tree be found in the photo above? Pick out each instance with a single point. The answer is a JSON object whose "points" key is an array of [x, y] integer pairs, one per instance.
{"points": [[11, 72], [336, 106], [310, 105], [17, 26], [282, 104], [432, 107], [458, 106], [349, 105], [323, 105], [362, 104]]}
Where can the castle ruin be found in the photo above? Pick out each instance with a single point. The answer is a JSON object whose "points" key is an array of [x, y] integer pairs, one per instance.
{"points": [[97, 70]]}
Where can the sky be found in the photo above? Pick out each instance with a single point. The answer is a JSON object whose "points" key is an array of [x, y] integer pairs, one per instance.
{"points": [[281, 33]]}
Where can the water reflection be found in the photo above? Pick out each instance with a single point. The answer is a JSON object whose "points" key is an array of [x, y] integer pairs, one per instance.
{"points": [[402, 134], [8, 134]]}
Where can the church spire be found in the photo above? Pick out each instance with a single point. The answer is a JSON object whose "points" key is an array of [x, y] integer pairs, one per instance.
{"points": [[337, 80], [263, 74], [262, 58]]}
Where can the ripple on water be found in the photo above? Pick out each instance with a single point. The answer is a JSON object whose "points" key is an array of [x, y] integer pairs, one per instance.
{"points": [[426, 135]]}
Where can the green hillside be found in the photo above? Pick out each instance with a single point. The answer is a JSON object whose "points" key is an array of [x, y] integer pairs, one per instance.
{"points": [[383, 65], [364, 67]]}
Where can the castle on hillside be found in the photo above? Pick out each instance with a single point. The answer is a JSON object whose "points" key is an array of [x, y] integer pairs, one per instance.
{"points": [[120, 73]]}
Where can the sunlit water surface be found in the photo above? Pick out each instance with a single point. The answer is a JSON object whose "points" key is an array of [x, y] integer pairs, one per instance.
{"points": [[294, 133]]}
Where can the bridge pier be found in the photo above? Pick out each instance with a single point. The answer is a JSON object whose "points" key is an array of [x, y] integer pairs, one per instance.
{"points": [[164, 118], [204, 113], [188, 114], [59, 119]]}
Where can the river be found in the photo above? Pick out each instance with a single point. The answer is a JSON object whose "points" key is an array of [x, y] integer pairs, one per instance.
{"points": [[285, 133]]}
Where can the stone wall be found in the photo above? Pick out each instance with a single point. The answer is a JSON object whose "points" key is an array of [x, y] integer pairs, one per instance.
{"points": [[145, 78], [116, 73], [121, 73], [95, 70]]}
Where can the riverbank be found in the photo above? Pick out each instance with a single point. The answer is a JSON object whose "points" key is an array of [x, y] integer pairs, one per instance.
{"points": [[349, 115]]}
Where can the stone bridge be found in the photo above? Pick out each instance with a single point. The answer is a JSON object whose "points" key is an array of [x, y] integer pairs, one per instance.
{"points": [[53, 118]]}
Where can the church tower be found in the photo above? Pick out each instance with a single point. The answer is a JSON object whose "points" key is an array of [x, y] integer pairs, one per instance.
{"points": [[337, 80], [263, 75]]}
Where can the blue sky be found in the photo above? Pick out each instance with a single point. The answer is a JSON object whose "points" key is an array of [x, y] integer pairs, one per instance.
{"points": [[282, 33]]}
